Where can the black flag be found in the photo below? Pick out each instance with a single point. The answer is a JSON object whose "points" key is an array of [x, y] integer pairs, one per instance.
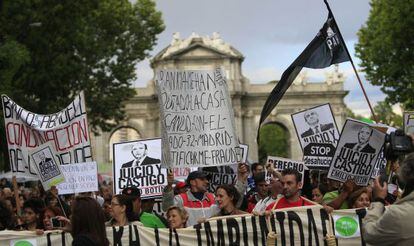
{"points": [[325, 49]]}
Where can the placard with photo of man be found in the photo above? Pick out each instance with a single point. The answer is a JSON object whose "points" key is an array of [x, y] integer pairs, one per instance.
{"points": [[138, 163], [318, 135], [357, 152], [47, 168]]}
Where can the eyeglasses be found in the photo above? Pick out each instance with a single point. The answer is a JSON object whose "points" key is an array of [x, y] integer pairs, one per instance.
{"points": [[115, 204]]}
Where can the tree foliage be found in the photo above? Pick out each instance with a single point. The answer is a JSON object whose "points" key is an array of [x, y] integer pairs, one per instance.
{"points": [[387, 116], [386, 49], [51, 50], [274, 141]]}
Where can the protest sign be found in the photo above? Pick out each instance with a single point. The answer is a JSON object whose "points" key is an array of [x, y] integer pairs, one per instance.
{"points": [[356, 153], [138, 163], [295, 226], [79, 177], [380, 165], [318, 135], [48, 169], [217, 176], [243, 151], [66, 130], [182, 173], [280, 164], [408, 122], [197, 120]]}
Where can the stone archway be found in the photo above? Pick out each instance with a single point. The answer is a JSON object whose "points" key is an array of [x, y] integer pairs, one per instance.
{"points": [[274, 141]]}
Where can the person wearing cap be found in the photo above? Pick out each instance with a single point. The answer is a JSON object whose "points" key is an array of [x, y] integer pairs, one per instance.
{"points": [[180, 187], [197, 201], [147, 219]]}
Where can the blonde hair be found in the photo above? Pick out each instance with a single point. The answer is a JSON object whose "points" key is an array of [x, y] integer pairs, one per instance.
{"points": [[181, 211]]}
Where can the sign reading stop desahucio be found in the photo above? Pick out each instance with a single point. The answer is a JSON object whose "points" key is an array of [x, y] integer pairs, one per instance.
{"points": [[318, 135]]}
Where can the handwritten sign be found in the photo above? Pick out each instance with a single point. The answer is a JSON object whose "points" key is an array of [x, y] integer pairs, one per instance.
{"points": [[80, 177], [66, 130], [197, 118]]}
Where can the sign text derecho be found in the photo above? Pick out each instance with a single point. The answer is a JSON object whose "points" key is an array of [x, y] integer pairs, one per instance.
{"points": [[197, 118]]}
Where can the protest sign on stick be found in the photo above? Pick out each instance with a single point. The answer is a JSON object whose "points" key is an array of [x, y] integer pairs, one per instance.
{"points": [[138, 163], [197, 120], [357, 152], [318, 135], [47, 168], [79, 177], [66, 130], [279, 164]]}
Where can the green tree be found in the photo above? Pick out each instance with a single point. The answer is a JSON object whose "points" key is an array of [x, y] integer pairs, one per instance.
{"points": [[51, 50], [386, 115], [273, 141], [386, 49]]}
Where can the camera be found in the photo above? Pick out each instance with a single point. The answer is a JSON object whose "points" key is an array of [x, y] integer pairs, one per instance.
{"points": [[397, 144], [55, 222]]}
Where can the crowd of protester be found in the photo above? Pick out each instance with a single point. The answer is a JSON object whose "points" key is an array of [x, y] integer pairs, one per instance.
{"points": [[259, 190]]}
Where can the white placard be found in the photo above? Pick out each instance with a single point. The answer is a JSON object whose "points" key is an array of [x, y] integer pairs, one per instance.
{"points": [[356, 153], [79, 177], [138, 163], [47, 168], [197, 120], [318, 135], [280, 164]]}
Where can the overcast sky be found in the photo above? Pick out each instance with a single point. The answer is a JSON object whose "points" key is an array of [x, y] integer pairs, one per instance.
{"points": [[269, 33]]}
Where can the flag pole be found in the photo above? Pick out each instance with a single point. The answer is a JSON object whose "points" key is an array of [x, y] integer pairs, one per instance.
{"points": [[353, 65]]}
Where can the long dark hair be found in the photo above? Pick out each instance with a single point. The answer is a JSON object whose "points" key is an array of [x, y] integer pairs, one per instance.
{"points": [[231, 192], [88, 219], [126, 201]]}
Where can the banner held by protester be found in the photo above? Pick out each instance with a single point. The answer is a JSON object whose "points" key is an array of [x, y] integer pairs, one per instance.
{"points": [[356, 153], [318, 135], [294, 226], [138, 163], [197, 119], [67, 130]]}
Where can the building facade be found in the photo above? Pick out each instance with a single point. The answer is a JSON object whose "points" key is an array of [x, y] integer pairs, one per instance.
{"points": [[195, 52]]}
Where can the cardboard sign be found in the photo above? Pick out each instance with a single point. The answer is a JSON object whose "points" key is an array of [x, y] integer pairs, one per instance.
{"points": [[48, 169], [138, 163], [79, 177], [280, 164], [318, 135], [67, 131], [357, 152], [197, 120]]}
